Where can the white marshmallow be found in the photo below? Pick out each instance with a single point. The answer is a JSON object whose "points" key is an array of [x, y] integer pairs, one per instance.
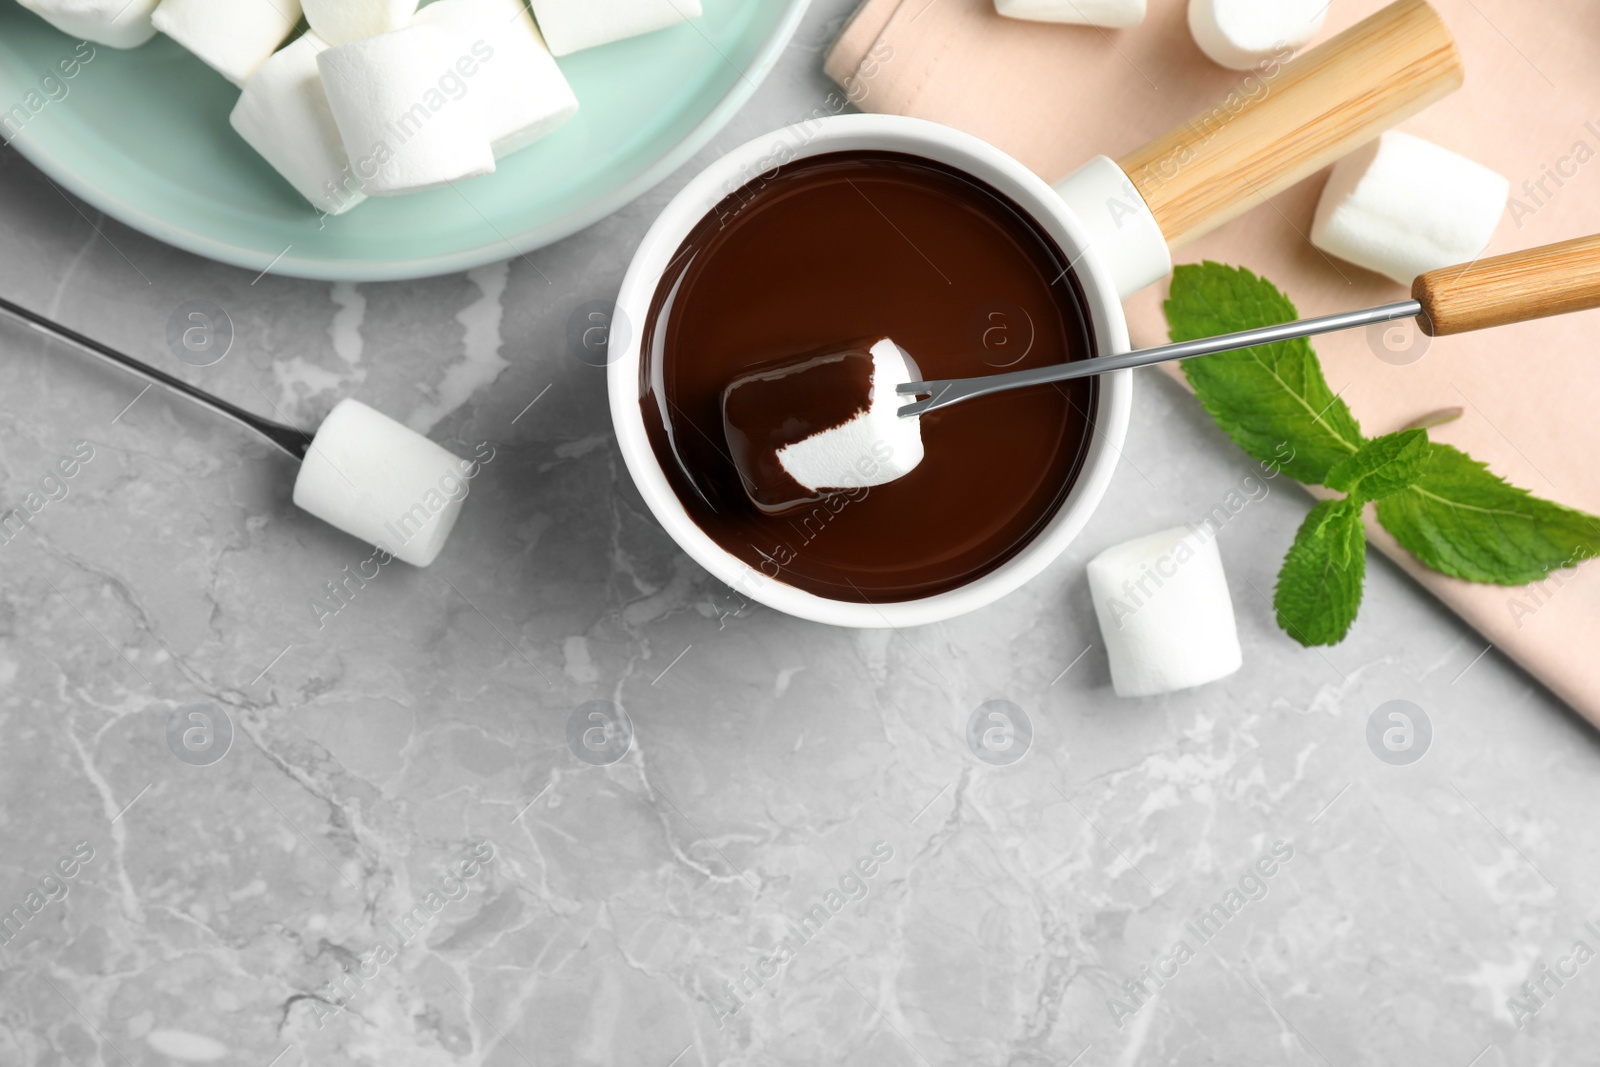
{"points": [[875, 447], [1115, 14], [1241, 34], [1403, 206], [572, 25], [234, 37], [405, 113], [284, 115], [343, 21], [521, 90], [383, 483], [1164, 612], [113, 23]]}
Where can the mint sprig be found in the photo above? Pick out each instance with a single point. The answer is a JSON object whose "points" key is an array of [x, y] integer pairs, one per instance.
{"points": [[1447, 509]]}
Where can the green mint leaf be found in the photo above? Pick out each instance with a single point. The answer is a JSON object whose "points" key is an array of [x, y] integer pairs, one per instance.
{"points": [[1446, 508], [1319, 587], [1460, 519], [1384, 466], [1272, 400]]}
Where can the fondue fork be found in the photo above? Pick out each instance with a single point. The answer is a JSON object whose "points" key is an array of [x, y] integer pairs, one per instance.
{"points": [[1550, 280], [288, 438]]}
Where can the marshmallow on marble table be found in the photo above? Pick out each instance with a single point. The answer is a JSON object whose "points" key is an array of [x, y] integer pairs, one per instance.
{"points": [[1403, 206], [1114, 14], [113, 23], [343, 21], [1164, 611], [383, 483], [233, 37], [572, 25], [520, 88], [1240, 34], [284, 115], [408, 120]]}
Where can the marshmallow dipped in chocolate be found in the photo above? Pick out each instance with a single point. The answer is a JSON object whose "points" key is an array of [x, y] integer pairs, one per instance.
{"points": [[823, 422]]}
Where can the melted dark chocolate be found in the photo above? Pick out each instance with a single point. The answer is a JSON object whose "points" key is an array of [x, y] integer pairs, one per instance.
{"points": [[873, 244]]}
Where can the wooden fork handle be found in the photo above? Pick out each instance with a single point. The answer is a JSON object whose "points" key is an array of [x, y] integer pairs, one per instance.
{"points": [[1550, 280]]}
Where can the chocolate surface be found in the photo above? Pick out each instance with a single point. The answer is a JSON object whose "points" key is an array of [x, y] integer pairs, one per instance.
{"points": [[873, 244]]}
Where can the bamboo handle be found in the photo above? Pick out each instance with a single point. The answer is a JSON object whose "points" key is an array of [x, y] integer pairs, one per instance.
{"points": [[1550, 280], [1298, 119]]}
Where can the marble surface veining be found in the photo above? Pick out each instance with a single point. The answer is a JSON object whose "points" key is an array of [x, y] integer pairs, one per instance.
{"points": [[399, 859]]}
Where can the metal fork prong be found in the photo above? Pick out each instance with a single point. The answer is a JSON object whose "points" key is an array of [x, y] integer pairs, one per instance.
{"points": [[940, 392]]}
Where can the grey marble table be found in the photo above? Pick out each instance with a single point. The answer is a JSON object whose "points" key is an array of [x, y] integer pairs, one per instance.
{"points": [[398, 858]]}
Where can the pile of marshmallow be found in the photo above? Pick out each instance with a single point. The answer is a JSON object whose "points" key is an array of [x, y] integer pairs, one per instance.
{"points": [[1400, 207], [378, 98]]}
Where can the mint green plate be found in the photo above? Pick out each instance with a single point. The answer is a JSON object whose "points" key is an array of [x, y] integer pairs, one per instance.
{"points": [[143, 135]]}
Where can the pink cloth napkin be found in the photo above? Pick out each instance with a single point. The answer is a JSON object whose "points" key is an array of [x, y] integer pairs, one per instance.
{"points": [[1053, 96]]}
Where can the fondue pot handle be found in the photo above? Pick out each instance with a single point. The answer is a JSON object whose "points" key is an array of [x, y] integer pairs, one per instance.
{"points": [[1295, 120], [1551, 280]]}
